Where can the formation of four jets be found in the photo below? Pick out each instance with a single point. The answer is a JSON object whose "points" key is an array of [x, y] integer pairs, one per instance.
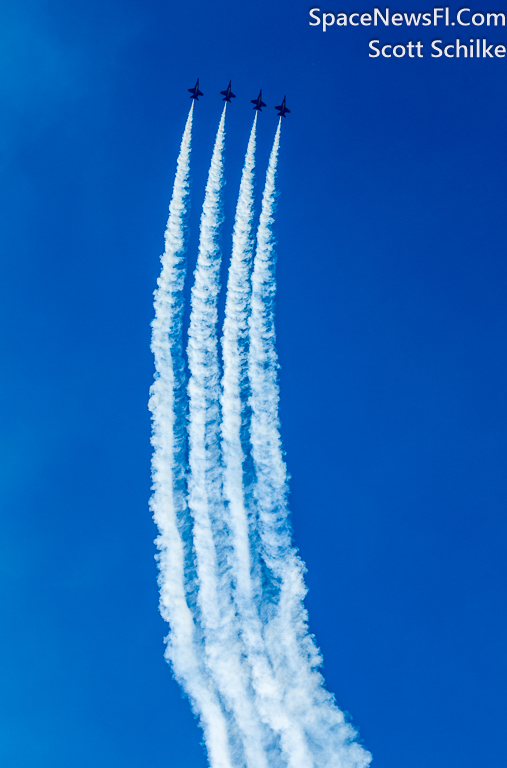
{"points": [[228, 95]]}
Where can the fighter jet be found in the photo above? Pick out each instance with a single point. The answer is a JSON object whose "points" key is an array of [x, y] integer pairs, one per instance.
{"points": [[283, 109], [228, 94], [258, 102], [195, 91]]}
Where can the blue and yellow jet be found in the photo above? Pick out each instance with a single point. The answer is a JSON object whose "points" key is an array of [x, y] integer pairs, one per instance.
{"points": [[283, 109], [228, 94], [195, 91], [258, 102]]}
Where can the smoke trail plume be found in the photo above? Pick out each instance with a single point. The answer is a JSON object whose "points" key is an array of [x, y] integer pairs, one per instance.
{"points": [[241, 554], [223, 652], [231, 582], [168, 500], [234, 340], [291, 649], [234, 386]]}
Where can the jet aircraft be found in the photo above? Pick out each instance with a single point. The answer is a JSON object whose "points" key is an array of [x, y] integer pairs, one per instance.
{"points": [[195, 91], [283, 109], [258, 102], [228, 94]]}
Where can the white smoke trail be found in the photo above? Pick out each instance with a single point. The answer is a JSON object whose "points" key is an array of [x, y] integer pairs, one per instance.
{"points": [[291, 649], [234, 339], [223, 652], [246, 587], [168, 500]]}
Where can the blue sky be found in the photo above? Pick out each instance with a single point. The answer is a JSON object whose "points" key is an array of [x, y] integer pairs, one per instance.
{"points": [[391, 323]]}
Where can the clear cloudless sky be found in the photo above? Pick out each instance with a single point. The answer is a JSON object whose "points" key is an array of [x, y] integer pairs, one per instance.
{"points": [[391, 319]]}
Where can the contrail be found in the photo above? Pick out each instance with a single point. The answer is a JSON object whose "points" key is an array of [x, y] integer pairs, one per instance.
{"points": [[246, 585], [234, 349], [292, 651], [168, 500], [223, 651]]}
